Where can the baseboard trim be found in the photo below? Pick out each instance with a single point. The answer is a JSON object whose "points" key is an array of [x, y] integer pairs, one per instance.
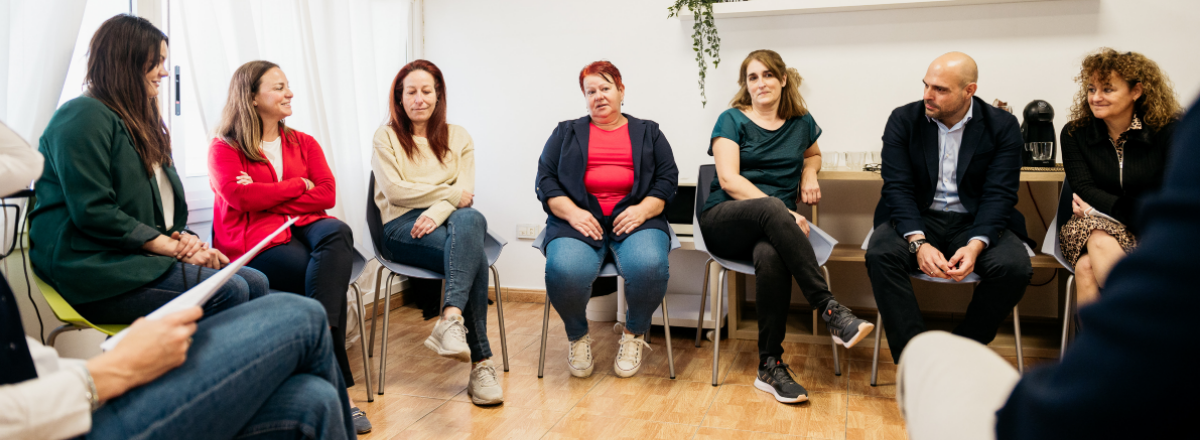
{"points": [[520, 295]]}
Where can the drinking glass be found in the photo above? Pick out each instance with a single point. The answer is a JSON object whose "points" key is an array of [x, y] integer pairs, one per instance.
{"points": [[855, 160], [829, 160], [877, 157], [1041, 150]]}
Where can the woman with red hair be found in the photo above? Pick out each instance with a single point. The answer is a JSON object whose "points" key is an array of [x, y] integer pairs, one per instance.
{"points": [[604, 180], [425, 171]]}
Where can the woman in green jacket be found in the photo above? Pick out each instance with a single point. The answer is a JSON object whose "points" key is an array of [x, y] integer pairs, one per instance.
{"points": [[108, 230]]}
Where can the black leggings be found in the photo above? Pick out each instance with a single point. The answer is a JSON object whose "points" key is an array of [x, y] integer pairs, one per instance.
{"points": [[764, 230], [316, 263]]}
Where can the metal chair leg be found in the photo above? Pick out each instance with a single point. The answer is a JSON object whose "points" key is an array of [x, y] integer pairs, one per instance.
{"points": [[362, 340], [875, 357], [387, 307], [1066, 328], [837, 365], [62, 328], [500, 315], [667, 331], [375, 310], [717, 300], [1017, 333], [545, 329], [703, 296]]}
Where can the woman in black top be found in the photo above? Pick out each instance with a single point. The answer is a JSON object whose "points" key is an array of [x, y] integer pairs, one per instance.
{"points": [[1115, 150]]}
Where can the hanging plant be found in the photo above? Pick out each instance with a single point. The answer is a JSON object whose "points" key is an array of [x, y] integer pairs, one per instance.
{"points": [[704, 36]]}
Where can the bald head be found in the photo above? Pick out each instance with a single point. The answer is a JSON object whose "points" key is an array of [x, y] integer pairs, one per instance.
{"points": [[958, 66], [949, 86]]}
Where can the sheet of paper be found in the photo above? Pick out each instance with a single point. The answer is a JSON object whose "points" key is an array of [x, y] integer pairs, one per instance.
{"points": [[200, 294]]}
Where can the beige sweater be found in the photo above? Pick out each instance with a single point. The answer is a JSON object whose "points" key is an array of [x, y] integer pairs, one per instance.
{"points": [[402, 185]]}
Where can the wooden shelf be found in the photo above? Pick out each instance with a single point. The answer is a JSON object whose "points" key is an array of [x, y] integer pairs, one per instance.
{"points": [[758, 8], [843, 173]]}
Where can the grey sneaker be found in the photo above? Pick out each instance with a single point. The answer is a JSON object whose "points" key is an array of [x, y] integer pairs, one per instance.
{"points": [[845, 328], [483, 387], [629, 354], [361, 424], [774, 378], [579, 357], [449, 339]]}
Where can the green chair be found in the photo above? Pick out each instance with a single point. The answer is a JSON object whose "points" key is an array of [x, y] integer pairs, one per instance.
{"points": [[65, 313]]}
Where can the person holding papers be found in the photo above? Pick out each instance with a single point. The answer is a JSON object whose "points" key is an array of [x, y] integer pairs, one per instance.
{"points": [[1115, 150], [107, 230], [264, 173]]}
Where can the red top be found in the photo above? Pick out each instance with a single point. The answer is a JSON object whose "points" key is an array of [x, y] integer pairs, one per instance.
{"points": [[245, 214], [609, 174]]}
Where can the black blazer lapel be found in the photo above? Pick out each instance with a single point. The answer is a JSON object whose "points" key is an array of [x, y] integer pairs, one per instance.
{"points": [[582, 130], [929, 145], [637, 135], [972, 136]]}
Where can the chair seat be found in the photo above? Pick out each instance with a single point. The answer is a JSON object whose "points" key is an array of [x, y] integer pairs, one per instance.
{"points": [[65, 313], [970, 278], [746, 267], [609, 270]]}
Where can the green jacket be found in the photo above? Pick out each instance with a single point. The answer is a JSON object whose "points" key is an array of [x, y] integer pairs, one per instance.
{"points": [[96, 207]]}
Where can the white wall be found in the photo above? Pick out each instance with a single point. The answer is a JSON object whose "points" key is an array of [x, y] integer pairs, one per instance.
{"points": [[512, 72]]}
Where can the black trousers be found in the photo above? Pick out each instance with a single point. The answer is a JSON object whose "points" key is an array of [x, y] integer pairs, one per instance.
{"points": [[1003, 267], [316, 263], [763, 230]]}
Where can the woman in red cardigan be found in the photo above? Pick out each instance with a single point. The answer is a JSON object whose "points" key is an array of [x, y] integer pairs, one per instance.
{"points": [[263, 173]]}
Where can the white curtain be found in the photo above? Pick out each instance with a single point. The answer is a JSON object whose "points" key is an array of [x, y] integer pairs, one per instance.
{"points": [[36, 42], [339, 56]]}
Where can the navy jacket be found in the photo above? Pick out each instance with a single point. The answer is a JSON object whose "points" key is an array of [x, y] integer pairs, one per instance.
{"points": [[564, 162], [1125, 376], [989, 170]]}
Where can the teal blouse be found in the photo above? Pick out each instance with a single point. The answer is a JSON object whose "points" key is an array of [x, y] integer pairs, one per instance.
{"points": [[773, 160]]}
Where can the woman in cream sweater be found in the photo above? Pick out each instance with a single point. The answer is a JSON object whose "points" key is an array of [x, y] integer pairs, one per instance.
{"points": [[425, 171]]}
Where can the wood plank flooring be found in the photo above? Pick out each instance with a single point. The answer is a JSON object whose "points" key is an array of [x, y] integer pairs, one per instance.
{"points": [[426, 395]]}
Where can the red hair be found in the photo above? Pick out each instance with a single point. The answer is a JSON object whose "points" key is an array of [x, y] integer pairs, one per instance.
{"points": [[437, 132], [606, 70]]}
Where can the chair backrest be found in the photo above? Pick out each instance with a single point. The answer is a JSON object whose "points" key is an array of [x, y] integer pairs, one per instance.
{"points": [[703, 187], [375, 223], [1050, 245]]}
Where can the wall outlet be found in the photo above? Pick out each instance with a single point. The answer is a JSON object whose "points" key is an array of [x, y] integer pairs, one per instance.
{"points": [[528, 231]]}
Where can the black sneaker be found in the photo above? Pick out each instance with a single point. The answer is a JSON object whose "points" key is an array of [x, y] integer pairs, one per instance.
{"points": [[845, 328], [361, 424], [774, 378]]}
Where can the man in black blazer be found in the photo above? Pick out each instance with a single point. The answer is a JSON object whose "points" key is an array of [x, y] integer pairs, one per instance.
{"points": [[951, 170]]}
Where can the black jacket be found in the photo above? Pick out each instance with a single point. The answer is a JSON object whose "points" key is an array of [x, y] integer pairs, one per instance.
{"points": [[989, 170], [564, 163], [1140, 330], [1093, 171]]}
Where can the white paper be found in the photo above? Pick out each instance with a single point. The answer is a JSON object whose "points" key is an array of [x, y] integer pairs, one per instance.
{"points": [[200, 294]]}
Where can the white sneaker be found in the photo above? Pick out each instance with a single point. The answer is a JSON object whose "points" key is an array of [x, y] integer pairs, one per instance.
{"points": [[449, 339], [629, 355], [484, 388], [579, 357]]}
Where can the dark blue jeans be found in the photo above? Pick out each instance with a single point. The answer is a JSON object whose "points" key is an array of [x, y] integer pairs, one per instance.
{"points": [[125, 308], [316, 263], [262, 370], [572, 267], [455, 249]]}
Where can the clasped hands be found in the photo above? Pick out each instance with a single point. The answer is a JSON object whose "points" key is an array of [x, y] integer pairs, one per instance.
{"points": [[1080, 208], [424, 225], [187, 248], [933, 263]]}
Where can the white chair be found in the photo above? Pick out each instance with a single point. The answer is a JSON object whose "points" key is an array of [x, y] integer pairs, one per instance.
{"points": [[972, 278], [493, 244], [822, 244], [609, 269], [1051, 245]]}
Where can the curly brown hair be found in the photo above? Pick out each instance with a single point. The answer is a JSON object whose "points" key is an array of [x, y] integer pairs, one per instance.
{"points": [[1157, 106]]}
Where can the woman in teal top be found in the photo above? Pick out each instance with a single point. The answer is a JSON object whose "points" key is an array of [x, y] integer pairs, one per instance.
{"points": [[766, 153], [107, 231]]}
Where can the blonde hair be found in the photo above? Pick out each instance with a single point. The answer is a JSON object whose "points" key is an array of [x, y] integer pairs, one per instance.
{"points": [[1157, 106], [791, 104], [240, 125]]}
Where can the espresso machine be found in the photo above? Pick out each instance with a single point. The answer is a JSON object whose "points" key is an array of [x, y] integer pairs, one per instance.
{"points": [[1037, 128]]}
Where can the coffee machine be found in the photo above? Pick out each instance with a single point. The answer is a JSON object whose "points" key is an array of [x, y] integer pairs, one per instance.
{"points": [[1037, 128]]}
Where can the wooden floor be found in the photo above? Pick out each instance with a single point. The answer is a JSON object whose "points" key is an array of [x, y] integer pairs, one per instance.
{"points": [[426, 398]]}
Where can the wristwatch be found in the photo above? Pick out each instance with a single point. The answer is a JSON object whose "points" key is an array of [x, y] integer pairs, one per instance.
{"points": [[916, 245]]}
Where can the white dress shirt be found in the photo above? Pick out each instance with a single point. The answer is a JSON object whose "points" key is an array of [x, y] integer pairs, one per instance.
{"points": [[945, 198]]}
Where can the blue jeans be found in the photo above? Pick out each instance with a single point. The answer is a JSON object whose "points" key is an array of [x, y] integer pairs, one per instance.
{"points": [[261, 370], [572, 267], [125, 308], [455, 249]]}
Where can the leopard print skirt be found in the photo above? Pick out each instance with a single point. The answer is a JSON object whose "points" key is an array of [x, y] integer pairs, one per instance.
{"points": [[1074, 235]]}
